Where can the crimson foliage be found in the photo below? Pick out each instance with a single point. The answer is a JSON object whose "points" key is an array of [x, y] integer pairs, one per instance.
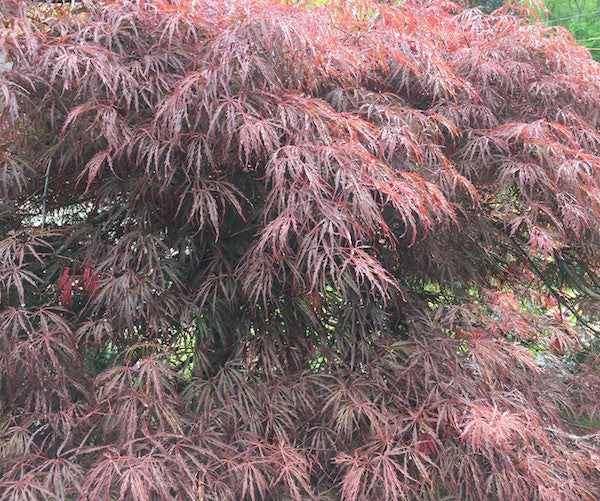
{"points": [[252, 250]]}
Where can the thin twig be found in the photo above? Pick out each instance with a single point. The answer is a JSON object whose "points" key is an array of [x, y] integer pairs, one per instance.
{"points": [[591, 436], [555, 293], [45, 195], [558, 296]]}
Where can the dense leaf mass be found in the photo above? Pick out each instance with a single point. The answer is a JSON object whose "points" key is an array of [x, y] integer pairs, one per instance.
{"points": [[252, 250]]}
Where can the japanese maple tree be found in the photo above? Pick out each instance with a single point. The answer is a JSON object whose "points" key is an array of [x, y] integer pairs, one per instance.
{"points": [[260, 250]]}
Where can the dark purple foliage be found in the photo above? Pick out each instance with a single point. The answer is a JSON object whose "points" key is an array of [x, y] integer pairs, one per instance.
{"points": [[296, 252]]}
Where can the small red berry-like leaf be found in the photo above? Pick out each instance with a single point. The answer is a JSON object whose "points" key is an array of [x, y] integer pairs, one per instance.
{"points": [[90, 280], [66, 294], [63, 279]]}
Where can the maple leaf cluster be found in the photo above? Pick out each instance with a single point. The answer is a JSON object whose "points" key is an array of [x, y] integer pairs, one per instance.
{"points": [[271, 250]]}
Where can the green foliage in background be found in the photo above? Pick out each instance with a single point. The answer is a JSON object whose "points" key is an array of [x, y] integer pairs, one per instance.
{"points": [[487, 5], [580, 17]]}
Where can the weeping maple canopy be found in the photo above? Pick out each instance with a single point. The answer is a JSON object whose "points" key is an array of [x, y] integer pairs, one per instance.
{"points": [[259, 250]]}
